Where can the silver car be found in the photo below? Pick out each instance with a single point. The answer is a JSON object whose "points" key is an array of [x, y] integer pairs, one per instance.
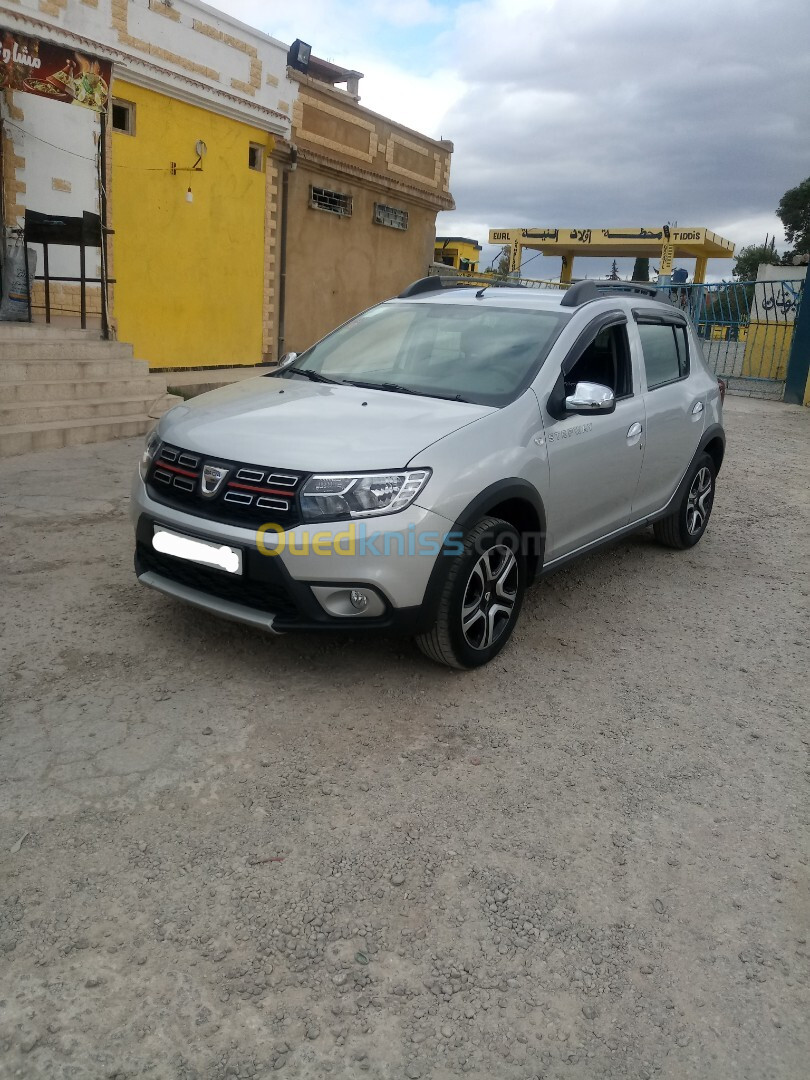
{"points": [[418, 468]]}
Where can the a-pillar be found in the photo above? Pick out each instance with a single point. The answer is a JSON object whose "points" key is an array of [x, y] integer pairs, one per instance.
{"points": [[567, 268]]}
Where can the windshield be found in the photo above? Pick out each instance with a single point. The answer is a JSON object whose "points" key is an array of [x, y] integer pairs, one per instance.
{"points": [[481, 353]]}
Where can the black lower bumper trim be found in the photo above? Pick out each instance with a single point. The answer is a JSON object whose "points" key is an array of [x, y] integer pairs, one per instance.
{"points": [[266, 585]]}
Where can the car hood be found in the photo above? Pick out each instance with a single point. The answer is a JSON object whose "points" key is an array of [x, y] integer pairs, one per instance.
{"points": [[313, 427]]}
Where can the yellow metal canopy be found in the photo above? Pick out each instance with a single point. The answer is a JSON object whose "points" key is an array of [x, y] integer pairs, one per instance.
{"points": [[662, 242]]}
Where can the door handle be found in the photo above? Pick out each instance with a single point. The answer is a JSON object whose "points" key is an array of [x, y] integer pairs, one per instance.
{"points": [[697, 408], [634, 430]]}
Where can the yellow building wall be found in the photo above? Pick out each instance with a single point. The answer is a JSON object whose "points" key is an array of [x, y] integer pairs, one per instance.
{"points": [[458, 252], [189, 276], [767, 350]]}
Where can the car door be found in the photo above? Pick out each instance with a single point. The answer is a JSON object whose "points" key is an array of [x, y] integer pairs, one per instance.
{"points": [[674, 405], [594, 461]]}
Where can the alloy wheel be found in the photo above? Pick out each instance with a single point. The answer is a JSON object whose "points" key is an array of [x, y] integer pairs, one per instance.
{"points": [[699, 503], [490, 597]]}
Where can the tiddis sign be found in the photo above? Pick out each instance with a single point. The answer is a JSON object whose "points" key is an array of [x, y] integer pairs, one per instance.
{"points": [[53, 71]]}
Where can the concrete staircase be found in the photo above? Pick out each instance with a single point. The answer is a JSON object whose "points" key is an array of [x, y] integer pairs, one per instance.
{"points": [[61, 387]]}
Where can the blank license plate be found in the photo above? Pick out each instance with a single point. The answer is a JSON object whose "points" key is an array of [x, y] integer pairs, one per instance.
{"points": [[193, 550]]}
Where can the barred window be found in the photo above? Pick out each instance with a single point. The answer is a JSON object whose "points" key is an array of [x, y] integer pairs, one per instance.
{"points": [[391, 216], [333, 201]]}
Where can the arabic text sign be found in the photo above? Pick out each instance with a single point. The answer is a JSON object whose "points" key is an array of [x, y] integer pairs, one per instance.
{"points": [[667, 255], [649, 239], [53, 71], [776, 301]]}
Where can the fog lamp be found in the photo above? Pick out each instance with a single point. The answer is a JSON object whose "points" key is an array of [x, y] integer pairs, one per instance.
{"points": [[359, 600]]}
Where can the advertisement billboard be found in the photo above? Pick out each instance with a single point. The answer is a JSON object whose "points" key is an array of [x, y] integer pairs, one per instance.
{"points": [[53, 71]]}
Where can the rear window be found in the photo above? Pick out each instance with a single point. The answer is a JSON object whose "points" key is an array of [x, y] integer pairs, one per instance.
{"points": [[666, 357]]}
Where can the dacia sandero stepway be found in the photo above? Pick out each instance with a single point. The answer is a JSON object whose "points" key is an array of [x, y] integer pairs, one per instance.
{"points": [[420, 466]]}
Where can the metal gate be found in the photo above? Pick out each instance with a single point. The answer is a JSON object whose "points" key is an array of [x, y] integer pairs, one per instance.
{"points": [[746, 328]]}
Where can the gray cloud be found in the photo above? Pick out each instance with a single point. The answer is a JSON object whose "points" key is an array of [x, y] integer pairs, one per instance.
{"points": [[587, 112], [602, 113]]}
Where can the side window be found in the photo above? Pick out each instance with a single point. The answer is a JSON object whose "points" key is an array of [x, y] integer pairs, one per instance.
{"points": [[682, 341], [666, 354], [605, 361]]}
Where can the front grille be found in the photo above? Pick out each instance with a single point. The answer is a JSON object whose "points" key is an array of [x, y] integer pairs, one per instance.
{"points": [[251, 592], [248, 495]]}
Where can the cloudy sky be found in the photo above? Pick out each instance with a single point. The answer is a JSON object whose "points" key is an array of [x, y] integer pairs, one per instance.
{"points": [[586, 113]]}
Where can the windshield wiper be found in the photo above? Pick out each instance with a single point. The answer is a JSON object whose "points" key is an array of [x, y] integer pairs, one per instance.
{"points": [[313, 376], [398, 388]]}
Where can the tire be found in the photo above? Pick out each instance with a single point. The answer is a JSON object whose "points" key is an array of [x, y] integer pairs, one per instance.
{"points": [[685, 526], [487, 581]]}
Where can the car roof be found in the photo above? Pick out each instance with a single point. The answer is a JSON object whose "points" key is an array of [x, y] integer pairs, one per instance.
{"points": [[564, 301], [495, 297]]}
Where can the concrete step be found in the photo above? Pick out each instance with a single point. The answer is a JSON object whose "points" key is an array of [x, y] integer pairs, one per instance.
{"points": [[47, 349], [191, 382], [54, 434], [81, 390], [10, 331], [39, 412], [18, 371]]}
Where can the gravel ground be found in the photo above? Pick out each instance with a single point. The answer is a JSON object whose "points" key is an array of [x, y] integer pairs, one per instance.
{"points": [[228, 855]]}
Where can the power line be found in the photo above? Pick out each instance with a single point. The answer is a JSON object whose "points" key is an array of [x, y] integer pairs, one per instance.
{"points": [[83, 157], [537, 256], [31, 135]]}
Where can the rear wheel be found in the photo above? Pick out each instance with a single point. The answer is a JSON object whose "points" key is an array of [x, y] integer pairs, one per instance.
{"points": [[685, 526], [481, 598]]}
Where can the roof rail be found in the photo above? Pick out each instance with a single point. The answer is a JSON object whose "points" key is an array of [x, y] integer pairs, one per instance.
{"points": [[437, 282], [638, 288], [425, 285], [579, 293], [587, 289]]}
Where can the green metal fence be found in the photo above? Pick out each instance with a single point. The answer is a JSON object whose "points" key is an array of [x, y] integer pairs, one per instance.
{"points": [[746, 329], [464, 277]]}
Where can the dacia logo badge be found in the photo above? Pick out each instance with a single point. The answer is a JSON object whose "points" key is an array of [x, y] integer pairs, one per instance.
{"points": [[211, 479]]}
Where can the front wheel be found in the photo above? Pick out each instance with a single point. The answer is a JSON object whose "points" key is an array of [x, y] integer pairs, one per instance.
{"points": [[685, 526], [481, 598]]}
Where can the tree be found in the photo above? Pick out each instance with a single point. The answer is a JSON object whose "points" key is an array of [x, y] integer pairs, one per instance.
{"points": [[641, 270], [749, 258], [794, 212], [614, 272], [502, 269]]}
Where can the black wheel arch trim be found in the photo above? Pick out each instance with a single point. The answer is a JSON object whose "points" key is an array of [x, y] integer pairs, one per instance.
{"points": [[510, 489], [714, 431]]}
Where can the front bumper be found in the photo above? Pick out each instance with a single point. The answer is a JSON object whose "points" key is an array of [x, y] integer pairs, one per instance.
{"points": [[275, 591]]}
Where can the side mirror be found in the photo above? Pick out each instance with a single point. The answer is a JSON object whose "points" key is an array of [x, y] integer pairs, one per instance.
{"points": [[591, 399], [287, 359]]}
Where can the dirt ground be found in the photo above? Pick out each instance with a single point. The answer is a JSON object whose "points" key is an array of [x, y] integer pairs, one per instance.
{"points": [[229, 855]]}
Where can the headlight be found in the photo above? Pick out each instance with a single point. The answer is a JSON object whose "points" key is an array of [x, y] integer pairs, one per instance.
{"points": [[150, 448], [327, 498]]}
